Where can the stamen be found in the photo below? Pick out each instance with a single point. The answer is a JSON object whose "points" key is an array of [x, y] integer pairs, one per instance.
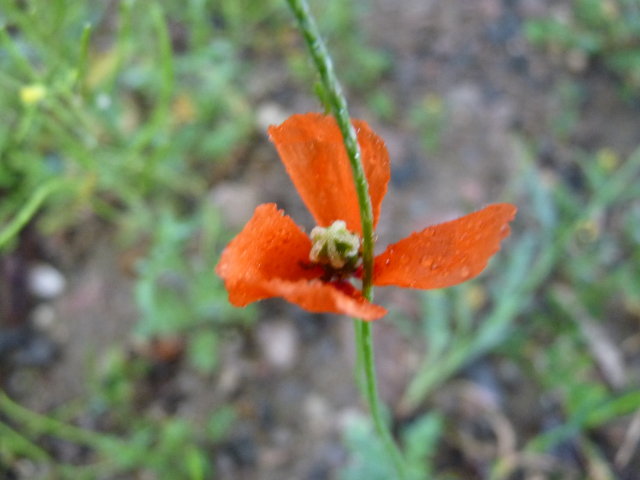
{"points": [[335, 246]]}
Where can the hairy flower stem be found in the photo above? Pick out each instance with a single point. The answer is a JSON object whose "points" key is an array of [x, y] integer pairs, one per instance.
{"points": [[365, 367], [338, 104]]}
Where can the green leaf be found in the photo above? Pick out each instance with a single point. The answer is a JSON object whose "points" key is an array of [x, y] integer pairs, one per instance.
{"points": [[203, 351]]}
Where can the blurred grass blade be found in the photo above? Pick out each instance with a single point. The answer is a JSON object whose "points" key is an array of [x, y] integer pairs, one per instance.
{"points": [[462, 308], [18, 58], [421, 441], [17, 444], [28, 211], [542, 203], [615, 187], [83, 60], [39, 424], [617, 407], [436, 328], [606, 354], [515, 276], [161, 113]]}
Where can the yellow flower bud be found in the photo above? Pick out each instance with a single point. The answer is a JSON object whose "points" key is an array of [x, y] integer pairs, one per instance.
{"points": [[32, 94]]}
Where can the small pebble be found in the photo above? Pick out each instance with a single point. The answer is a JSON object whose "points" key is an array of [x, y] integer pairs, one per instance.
{"points": [[317, 411], [279, 344], [235, 201], [38, 351], [269, 114], [46, 282], [43, 317], [348, 417]]}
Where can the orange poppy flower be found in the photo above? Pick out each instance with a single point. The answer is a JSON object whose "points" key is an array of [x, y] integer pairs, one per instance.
{"points": [[273, 257]]}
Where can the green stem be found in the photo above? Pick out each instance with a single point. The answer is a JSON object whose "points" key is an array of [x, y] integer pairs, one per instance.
{"points": [[338, 105], [365, 365], [375, 406], [359, 363]]}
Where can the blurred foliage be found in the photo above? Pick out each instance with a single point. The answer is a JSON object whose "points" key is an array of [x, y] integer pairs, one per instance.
{"points": [[111, 108], [570, 96], [126, 105], [429, 118], [570, 236], [176, 292], [573, 253], [125, 111], [167, 449], [131, 111], [604, 29], [370, 461]]}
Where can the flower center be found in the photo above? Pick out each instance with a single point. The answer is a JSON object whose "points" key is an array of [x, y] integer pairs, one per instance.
{"points": [[335, 246]]}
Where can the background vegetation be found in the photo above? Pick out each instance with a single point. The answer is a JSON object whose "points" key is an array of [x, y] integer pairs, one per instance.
{"points": [[121, 118]]}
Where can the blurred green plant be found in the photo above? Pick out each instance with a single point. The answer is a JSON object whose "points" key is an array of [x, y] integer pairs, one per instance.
{"points": [[429, 118], [456, 333], [127, 110], [122, 115], [175, 290], [173, 448], [604, 29], [574, 258], [569, 96], [368, 459], [131, 99], [579, 237], [108, 111]]}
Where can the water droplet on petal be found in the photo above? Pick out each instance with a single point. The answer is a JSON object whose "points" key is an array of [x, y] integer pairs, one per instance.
{"points": [[465, 272], [426, 262]]}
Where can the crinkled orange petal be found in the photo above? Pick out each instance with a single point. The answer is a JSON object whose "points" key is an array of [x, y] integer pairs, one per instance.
{"points": [[321, 297], [446, 254], [270, 258], [311, 148], [270, 246]]}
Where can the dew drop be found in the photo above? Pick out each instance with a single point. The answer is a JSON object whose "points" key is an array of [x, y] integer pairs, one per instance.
{"points": [[426, 262], [465, 272], [387, 261]]}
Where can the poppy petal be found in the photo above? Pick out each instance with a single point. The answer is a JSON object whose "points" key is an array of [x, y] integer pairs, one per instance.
{"points": [[320, 297], [446, 254], [312, 150], [270, 246]]}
